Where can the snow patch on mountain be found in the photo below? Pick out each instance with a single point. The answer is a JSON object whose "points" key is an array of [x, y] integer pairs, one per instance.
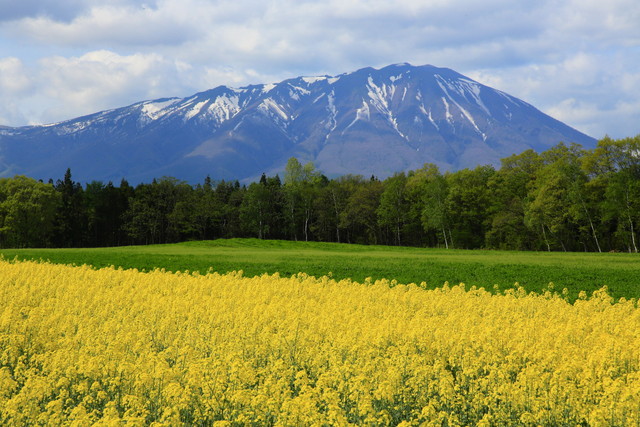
{"points": [[447, 112], [69, 128], [433, 121], [156, 109], [333, 112], [362, 113], [470, 118], [296, 91], [464, 112], [464, 88], [268, 106], [237, 126], [268, 87], [312, 80], [195, 110], [473, 89], [224, 108], [509, 98], [428, 115], [380, 96]]}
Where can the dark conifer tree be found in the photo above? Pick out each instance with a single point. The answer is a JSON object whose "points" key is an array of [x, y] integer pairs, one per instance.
{"points": [[71, 220]]}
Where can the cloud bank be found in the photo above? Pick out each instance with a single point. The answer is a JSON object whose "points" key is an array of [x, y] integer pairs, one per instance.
{"points": [[576, 60]]}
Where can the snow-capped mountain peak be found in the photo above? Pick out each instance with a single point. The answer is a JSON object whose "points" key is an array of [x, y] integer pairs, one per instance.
{"points": [[369, 121]]}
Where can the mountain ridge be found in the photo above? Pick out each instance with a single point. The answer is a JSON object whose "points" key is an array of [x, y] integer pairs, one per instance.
{"points": [[368, 122]]}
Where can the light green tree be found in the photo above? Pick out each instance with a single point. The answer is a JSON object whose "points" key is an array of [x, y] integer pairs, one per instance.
{"points": [[509, 188], [614, 167], [394, 207], [27, 212], [360, 216], [301, 188], [467, 202], [428, 189]]}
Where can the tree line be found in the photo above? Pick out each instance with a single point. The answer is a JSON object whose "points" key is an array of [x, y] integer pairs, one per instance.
{"points": [[564, 199]]}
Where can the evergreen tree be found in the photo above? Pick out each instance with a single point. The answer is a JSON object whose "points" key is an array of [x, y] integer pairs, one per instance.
{"points": [[71, 220]]}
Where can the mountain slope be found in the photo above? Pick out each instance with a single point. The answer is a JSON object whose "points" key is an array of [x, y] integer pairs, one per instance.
{"points": [[365, 122]]}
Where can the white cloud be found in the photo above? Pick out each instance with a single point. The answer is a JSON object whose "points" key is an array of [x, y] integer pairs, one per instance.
{"points": [[66, 10], [13, 77], [103, 79], [14, 84], [547, 52], [108, 24], [25, 8], [595, 93]]}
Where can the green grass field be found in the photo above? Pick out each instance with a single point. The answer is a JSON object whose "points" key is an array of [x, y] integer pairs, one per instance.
{"points": [[533, 270]]}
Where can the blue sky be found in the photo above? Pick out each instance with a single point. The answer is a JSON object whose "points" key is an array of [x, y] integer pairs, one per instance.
{"points": [[577, 60]]}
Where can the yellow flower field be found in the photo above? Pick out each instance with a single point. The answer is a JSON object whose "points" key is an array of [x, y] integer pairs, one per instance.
{"points": [[108, 347]]}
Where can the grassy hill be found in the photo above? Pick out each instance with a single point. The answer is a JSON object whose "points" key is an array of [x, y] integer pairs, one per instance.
{"points": [[533, 270]]}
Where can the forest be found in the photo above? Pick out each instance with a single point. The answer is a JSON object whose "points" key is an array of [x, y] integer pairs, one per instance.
{"points": [[564, 199]]}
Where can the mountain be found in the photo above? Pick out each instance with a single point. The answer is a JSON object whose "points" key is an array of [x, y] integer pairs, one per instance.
{"points": [[371, 121]]}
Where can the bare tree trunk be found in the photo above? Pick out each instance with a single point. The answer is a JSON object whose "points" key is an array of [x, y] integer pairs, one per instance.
{"points": [[335, 208], [633, 233], [293, 222], [559, 238], [593, 230], [546, 240], [444, 233]]}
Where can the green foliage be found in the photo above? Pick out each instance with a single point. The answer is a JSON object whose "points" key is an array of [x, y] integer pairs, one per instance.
{"points": [[509, 187], [466, 203], [70, 219], [393, 208], [27, 212], [301, 189], [615, 168], [261, 207], [565, 198], [104, 206], [428, 190], [360, 217], [153, 215]]}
